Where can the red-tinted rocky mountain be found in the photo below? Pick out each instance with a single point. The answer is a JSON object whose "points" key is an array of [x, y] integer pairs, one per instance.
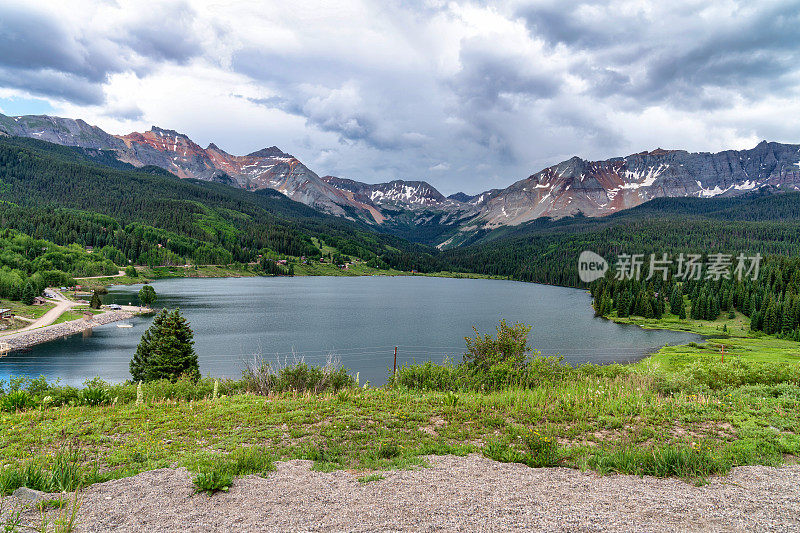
{"points": [[594, 188], [597, 188], [177, 153]]}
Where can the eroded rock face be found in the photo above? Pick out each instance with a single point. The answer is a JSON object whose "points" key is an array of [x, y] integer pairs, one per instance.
{"points": [[597, 188], [594, 188], [177, 153]]}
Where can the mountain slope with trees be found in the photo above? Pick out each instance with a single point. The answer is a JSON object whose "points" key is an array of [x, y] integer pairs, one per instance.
{"points": [[152, 217]]}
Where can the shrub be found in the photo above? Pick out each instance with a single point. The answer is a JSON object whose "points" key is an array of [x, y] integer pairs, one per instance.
{"points": [[542, 450], [211, 481], [63, 396], [94, 396], [509, 346], [716, 374], [18, 400], [431, 376], [263, 378], [538, 451]]}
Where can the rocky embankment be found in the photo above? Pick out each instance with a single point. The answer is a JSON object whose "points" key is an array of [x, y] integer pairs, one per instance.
{"points": [[30, 338]]}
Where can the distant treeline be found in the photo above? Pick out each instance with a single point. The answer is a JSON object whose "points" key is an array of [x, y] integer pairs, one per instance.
{"points": [[772, 300], [547, 251]]}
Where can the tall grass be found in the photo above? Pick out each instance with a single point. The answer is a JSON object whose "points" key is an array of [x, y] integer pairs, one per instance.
{"points": [[688, 462], [216, 472], [265, 377], [65, 472]]}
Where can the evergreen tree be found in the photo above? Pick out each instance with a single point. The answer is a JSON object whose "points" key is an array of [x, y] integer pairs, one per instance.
{"points": [[676, 301], [95, 303], [28, 294], [166, 350]]}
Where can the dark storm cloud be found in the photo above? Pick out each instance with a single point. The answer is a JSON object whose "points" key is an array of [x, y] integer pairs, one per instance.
{"points": [[675, 57], [165, 34], [31, 41], [556, 23], [54, 84], [42, 55], [356, 102], [487, 74]]}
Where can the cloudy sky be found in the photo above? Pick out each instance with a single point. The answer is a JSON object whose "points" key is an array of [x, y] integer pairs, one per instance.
{"points": [[468, 96]]}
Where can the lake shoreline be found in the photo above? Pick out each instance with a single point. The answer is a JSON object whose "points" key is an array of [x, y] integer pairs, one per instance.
{"points": [[28, 339], [359, 319]]}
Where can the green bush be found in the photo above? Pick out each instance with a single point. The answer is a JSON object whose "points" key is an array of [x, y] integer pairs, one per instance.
{"points": [[541, 450], [262, 378], [431, 376], [211, 481], [94, 396], [18, 400], [510, 346], [538, 451], [716, 374]]}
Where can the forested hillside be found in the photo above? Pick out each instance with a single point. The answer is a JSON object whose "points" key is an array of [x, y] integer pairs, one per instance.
{"points": [[29, 265], [151, 217], [546, 251]]}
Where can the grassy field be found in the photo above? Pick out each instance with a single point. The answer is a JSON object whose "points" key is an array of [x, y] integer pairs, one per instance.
{"points": [[728, 338], [703, 419], [28, 311], [685, 411]]}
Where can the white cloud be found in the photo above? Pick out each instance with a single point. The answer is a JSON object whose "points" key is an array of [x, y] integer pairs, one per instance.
{"points": [[482, 95]]}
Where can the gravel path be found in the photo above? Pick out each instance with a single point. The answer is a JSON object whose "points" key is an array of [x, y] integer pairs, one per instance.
{"points": [[456, 494]]}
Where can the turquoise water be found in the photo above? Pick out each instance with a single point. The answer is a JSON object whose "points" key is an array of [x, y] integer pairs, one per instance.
{"points": [[358, 319]]}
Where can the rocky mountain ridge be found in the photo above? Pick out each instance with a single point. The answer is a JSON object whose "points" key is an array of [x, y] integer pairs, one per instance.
{"points": [[416, 209], [597, 188]]}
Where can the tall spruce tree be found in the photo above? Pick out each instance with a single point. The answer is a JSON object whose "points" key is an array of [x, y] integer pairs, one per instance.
{"points": [[166, 350], [95, 303], [28, 294]]}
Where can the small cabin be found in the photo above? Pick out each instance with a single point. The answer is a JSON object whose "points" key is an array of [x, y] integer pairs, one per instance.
{"points": [[39, 301], [6, 314]]}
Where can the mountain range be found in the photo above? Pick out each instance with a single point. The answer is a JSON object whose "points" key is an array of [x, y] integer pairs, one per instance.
{"points": [[415, 209]]}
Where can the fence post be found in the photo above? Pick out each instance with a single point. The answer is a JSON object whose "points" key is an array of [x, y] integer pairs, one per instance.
{"points": [[394, 371]]}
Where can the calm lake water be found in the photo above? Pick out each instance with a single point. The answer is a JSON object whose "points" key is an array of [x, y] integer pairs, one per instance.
{"points": [[359, 319]]}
